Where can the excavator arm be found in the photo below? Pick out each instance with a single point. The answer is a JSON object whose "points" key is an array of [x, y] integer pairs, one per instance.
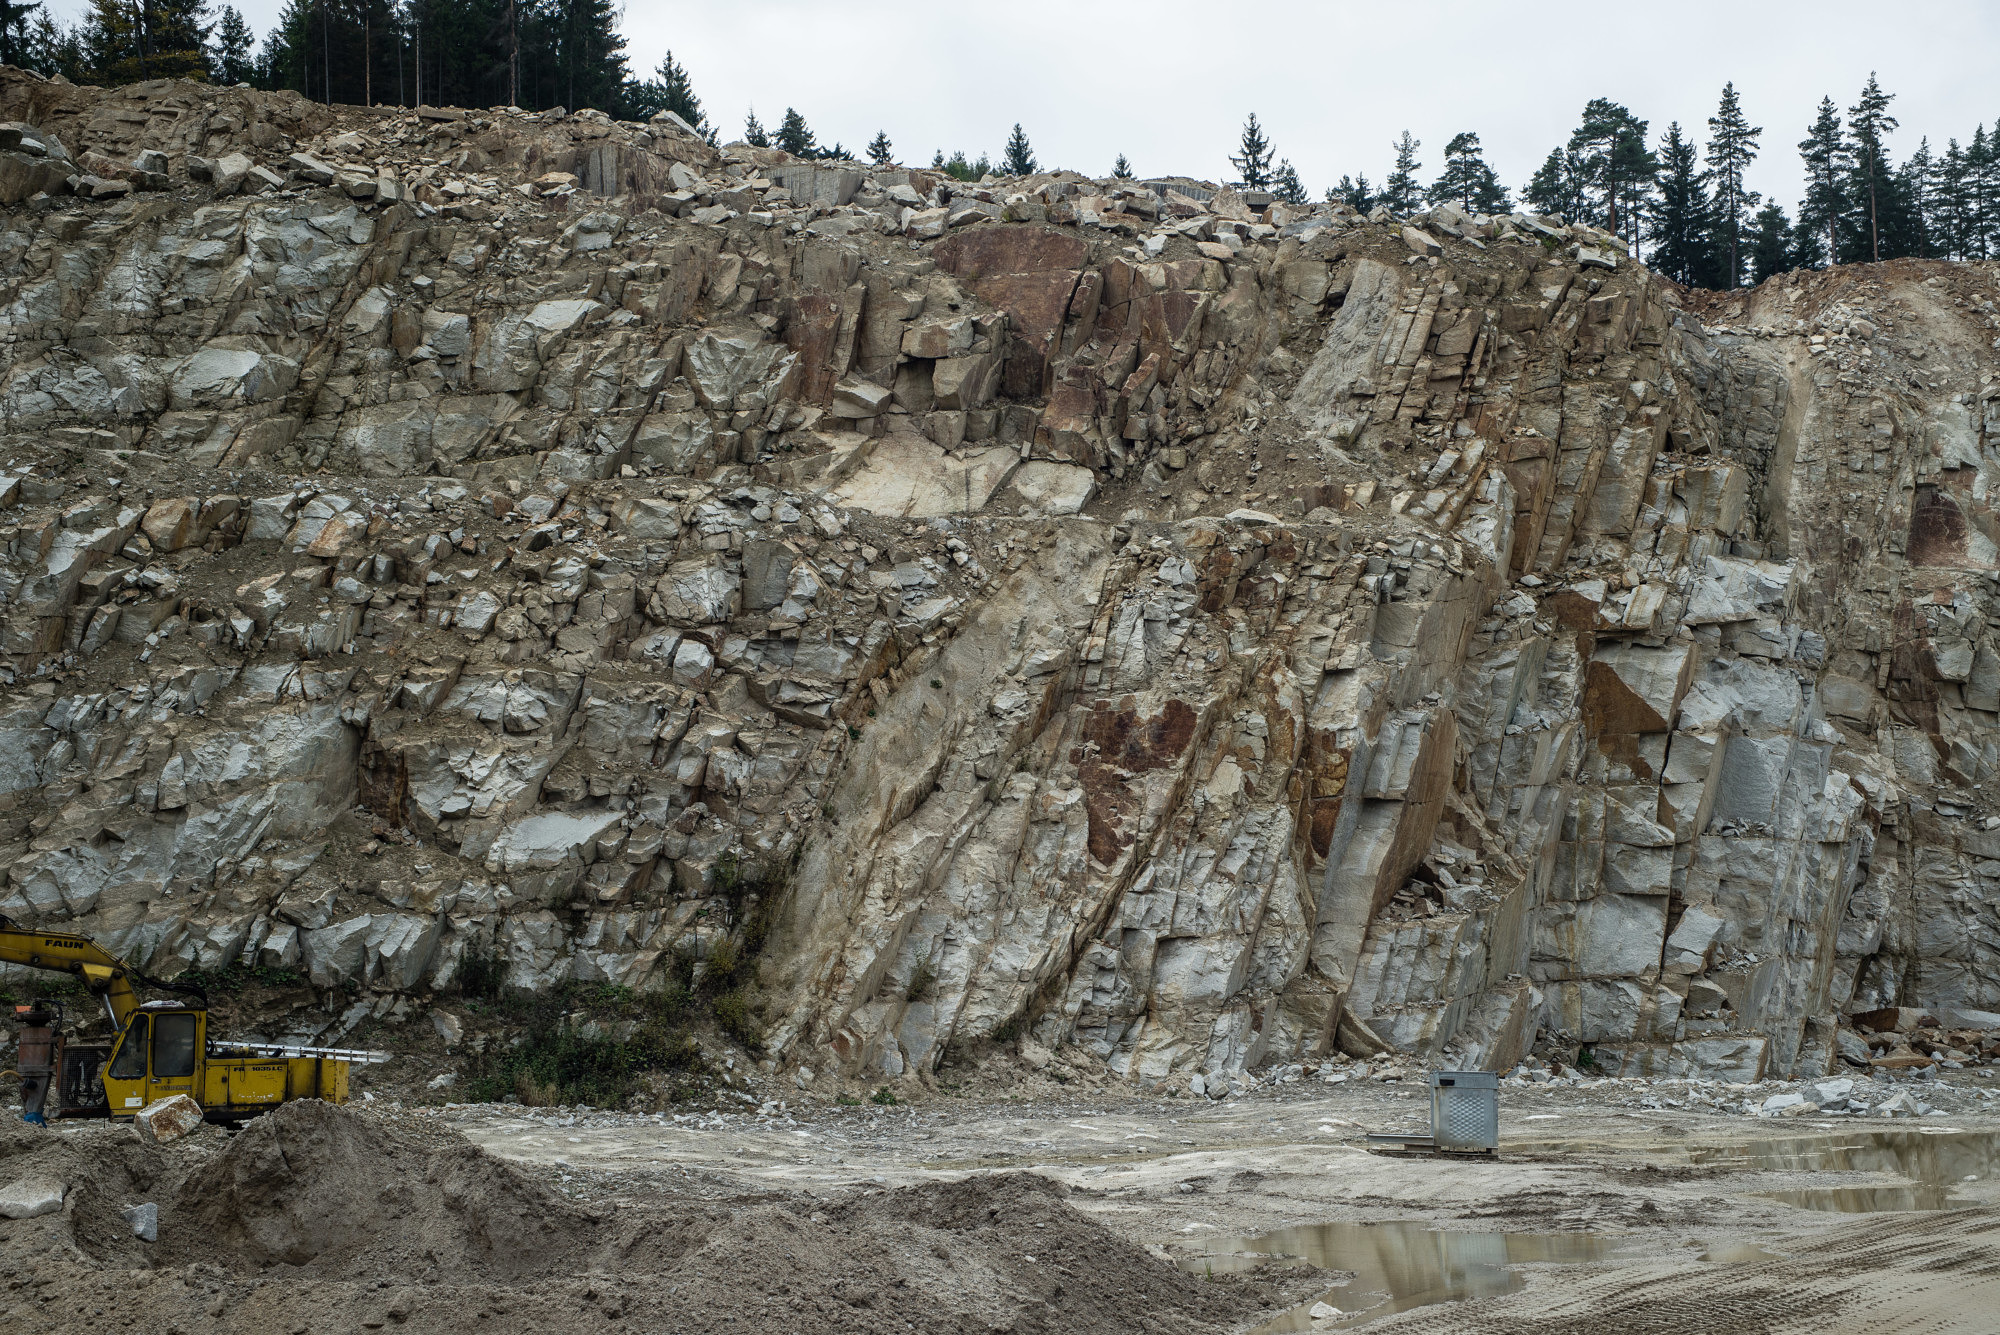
{"points": [[107, 977]]}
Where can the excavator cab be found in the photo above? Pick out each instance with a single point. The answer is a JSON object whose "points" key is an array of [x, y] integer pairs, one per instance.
{"points": [[158, 1056]]}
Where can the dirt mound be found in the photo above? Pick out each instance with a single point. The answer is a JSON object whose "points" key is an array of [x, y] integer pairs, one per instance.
{"points": [[311, 1184], [319, 1218]]}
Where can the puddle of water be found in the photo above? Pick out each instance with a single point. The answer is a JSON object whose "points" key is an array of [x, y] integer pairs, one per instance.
{"points": [[1932, 1160], [1739, 1253], [1397, 1266], [1865, 1200]]}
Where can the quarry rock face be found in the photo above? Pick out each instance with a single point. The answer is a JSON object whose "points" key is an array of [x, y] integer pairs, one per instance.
{"points": [[1187, 631]]}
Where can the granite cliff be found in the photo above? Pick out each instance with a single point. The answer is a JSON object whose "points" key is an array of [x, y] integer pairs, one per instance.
{"points": [[1176, 631]]}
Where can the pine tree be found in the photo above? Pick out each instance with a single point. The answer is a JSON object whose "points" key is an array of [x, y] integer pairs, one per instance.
{"points": [[959, 168], [1770, 243], [1121, 170], [880, 151], [754, 133], [795, 136], [1682, 225], [51, 48], [1557, 188], [234, 58], [1824, 150], [1253, 161], [1401, 191], [125, 42], [1468, 181], [1917, 186], [1951, 214], [1980, 210], [1287, 187], [1808, 250], [1354, 192], [938, 162], [670, 89], [1869, 122], [1732, 147], [1019, 159], [570, 52], [16, 20], [1611, 142]]}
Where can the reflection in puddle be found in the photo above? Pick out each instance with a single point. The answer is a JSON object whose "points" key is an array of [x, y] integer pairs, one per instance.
{"points": [[1931, 1159], [1865, 1200], [1738, 1253], [1396, 1266]]}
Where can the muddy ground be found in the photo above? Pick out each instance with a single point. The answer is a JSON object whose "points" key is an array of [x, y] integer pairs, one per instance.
{"points": [[1087, 1215]]}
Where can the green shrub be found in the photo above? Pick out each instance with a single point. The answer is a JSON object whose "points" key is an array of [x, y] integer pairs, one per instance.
{"points": [[235, 976], [555, 1061]]}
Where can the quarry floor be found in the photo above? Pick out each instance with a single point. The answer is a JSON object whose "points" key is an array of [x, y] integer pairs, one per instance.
{"points": [[1084, 1213], [1599, 1214]]}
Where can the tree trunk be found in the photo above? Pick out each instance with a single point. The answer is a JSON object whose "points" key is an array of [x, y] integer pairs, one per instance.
{"points": [[1874, 228]]}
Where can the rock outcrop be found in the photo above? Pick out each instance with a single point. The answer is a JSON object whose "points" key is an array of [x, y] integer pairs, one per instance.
{"points": [[1190, 631]]}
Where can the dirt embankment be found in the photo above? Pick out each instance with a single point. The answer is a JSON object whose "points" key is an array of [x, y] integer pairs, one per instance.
{"points": [[319, 1219]]}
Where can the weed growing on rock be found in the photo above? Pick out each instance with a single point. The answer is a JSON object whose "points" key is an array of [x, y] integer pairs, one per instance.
{"points": [[588, 1043]]}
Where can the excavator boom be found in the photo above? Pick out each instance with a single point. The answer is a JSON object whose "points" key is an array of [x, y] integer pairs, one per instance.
{"points": [[107, 977]]}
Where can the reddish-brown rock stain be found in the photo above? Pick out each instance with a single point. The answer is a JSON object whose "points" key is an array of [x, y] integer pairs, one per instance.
{"points": [[1126, 745]]}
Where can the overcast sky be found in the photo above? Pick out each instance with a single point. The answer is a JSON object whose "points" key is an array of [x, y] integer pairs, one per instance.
{"points": [[1169, 82]]}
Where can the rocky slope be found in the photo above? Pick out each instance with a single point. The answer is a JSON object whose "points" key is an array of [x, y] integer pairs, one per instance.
{"points": [[1181, 632]]}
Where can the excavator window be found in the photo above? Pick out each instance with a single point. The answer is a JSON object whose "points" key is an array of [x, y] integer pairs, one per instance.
{"points": [[130, 1063], [173, 1046]]}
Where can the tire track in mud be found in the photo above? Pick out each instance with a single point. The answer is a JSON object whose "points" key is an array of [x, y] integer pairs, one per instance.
{"points": [[1936, 1273]]}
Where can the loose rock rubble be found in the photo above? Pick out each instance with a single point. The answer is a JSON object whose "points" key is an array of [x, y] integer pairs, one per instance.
{"points": [[1169, 632]]}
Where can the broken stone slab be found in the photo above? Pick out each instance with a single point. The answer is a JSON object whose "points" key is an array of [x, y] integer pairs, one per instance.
{"points": [[856, 398], [926, 224], [449, 1028], [168, 1119], [828, 187], [30, 1198], [1851, 1049], [1901, 1104], [674, 119], [906, 475], [144, 1219], [1420, 242], [1048, 488], [98, 187], [311, 168], [23, 176], [966, 382]]}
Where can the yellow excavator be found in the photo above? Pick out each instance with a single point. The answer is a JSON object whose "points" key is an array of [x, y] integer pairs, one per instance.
{"points": [[158, 1049]]}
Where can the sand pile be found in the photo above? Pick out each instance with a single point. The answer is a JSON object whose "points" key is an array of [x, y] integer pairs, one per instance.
{"points": [[319, 1219]]}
